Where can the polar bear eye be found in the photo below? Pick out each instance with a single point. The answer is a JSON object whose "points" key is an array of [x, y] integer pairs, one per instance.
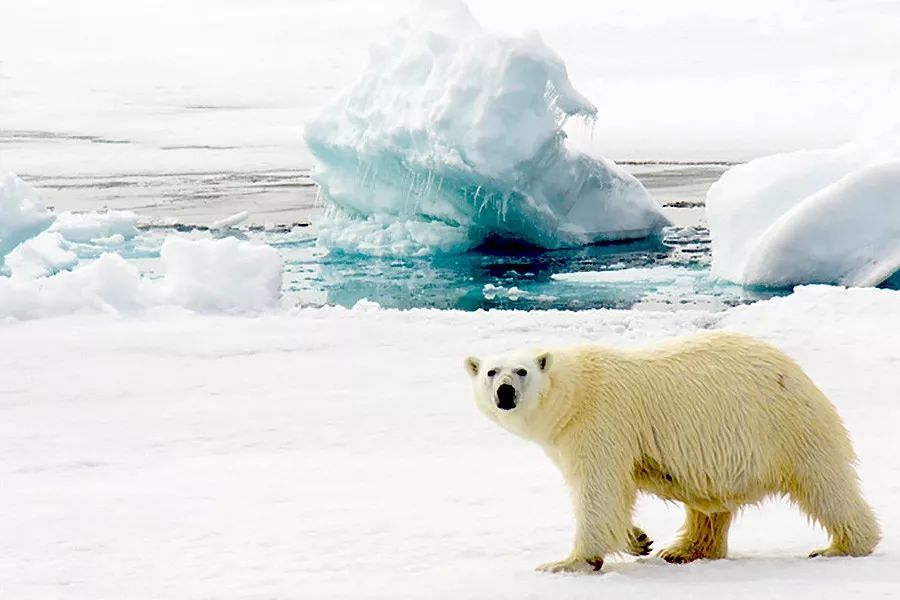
{"points": [[491, 373], [521, 372]]}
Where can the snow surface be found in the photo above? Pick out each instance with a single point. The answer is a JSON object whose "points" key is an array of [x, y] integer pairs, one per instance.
{"points": [[184, 456], [453, 125], [227, 275], [818, 216]]}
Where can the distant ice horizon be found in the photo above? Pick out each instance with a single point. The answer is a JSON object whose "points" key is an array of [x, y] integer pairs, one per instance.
{"points": [[164, 87]]}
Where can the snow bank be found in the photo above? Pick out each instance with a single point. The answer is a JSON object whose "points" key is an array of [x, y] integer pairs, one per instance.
{"points": [[94, 226], [22, 213], [452, 125], [821, 216], [228, 275]]}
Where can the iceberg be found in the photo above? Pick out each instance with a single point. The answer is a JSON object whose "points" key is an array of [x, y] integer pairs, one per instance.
{"points": [[460, 132], [815, 216]]}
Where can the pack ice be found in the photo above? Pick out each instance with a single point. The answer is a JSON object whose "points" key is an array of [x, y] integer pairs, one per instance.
{"points": [[452, 135], [41, 275], [815, 216]]}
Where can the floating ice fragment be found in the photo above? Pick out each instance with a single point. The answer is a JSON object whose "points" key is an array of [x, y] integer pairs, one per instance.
{"points": [[22, 213], [85, 227], [230, 222], [46, 254]]}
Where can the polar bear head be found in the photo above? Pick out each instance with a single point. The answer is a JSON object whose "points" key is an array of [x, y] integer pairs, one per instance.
{"points": [[508, 388]]}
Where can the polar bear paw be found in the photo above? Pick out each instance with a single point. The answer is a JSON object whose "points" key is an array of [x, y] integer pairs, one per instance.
{"points": [[827, 552], [677, 555], [639, 543], [572, 564]]}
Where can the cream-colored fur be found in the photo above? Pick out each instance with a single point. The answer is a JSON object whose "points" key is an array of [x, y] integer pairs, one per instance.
{"points": [[715, 421]]}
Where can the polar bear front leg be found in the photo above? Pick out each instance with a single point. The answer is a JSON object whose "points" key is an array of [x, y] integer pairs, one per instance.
{"points": [[603, 503]]}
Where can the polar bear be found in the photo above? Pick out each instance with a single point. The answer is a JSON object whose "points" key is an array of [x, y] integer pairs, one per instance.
{"points": [[716, 421]]}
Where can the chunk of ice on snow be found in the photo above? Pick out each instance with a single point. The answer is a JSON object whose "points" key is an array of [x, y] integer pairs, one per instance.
{"points": [[227, 275]]}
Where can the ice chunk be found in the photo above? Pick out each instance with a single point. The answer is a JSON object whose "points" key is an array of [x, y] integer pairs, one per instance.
{"points": [[46, 254], [491, 291], [227, 275], [109, 284], [818, 216], [452, 125], [232, 221], [22, 213], [90, 226]]}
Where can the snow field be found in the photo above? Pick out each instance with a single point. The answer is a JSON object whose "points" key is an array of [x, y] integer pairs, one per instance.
{"points": [[337, 453]]}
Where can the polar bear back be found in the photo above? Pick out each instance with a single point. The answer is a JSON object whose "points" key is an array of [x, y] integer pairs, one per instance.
{"points": [[716, 420]]}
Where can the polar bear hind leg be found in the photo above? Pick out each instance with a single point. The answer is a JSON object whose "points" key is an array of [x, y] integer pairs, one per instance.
{"points": [[831, 497], [702, 536]]}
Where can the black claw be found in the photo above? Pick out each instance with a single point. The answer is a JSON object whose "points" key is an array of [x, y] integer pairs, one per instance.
{"points": [[642, 537]]}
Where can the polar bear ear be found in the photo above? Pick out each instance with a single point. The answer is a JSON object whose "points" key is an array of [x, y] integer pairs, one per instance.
{"points": [[472, 365], [544, 360]]}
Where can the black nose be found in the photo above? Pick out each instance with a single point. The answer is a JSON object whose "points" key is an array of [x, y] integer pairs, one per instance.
{"points": [[506, 397]]}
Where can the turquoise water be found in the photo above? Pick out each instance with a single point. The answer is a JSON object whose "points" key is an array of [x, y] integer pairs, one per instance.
{"points": [[668, 272], [517, 277], [663, 273]]}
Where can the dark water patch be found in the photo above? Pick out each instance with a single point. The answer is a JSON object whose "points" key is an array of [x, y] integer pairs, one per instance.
{"points": [[892, 282]]}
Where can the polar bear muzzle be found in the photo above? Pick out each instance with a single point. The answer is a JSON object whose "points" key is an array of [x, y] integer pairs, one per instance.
{"points": [[506, 397]]}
